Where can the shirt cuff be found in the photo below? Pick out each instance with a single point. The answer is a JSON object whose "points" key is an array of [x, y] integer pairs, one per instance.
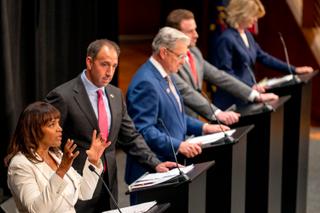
{"points": [[205, 124], [97, 169], [217, 112], [253, 95]]}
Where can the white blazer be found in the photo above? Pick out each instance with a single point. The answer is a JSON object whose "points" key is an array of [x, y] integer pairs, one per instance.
{"points": [[37, 188]]}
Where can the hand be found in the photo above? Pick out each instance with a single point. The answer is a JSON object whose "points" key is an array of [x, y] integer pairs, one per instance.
{"points": [[166, 166], [97, 147], [212, 128], [259, 88], [189, 149], [67, 158], [228, 118], [264, 97], [304, 70]]}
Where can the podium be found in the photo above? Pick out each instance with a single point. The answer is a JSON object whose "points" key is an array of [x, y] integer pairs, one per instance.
{"points": [[226, 180], [296, 142], [264, 155], [183, 196]]}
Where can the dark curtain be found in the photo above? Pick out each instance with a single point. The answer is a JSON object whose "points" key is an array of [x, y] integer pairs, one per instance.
{"points": [[43, 44]]}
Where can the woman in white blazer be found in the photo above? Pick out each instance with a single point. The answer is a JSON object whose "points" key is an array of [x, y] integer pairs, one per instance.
{"points": [[40, 176]]}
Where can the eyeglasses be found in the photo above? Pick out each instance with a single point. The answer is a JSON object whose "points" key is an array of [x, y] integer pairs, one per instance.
{"points": [[179, 56]]}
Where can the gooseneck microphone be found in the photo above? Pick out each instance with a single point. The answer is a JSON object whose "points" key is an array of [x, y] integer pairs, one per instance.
{"points": [[92, 169], [285, 53], [181, 174], [251, 73], [227, 138], [295, 78]]}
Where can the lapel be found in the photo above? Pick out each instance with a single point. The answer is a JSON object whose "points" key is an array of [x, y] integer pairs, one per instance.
{"points": [[187, 70], [82, 99], [166, 90], [113, 105], [44, 169], [47, 173], [243, 46]]}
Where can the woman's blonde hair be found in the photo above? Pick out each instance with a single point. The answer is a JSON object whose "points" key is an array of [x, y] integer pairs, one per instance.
{"points": [[241, 10]]}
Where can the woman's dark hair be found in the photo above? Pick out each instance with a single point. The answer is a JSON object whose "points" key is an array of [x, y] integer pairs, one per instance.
{"points": [[28, 131]]}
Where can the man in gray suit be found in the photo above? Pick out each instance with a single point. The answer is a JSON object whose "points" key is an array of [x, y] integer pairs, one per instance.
{"points": [[189, 80], [78, 102]]}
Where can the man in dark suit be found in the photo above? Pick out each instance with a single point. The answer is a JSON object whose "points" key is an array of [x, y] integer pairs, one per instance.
{"points": [[190, 84], [156, 107], [81, 113]]}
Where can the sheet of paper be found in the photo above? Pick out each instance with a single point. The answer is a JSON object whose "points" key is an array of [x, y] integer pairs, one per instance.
{"points": [[211, 138], [143, 207]]}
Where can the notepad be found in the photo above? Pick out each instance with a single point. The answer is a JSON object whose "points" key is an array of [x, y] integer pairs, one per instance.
{"points": [[211, 138], [150, 179]]}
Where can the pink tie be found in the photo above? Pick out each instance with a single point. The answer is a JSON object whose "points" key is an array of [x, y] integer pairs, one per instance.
{"points": [[103, 121], [193, 68], [102, 116]]}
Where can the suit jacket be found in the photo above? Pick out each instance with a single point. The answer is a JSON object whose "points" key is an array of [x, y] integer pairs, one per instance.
{"points": [[37, 188], [78, 120], [156, 114], [232, 56], [190, 90]]}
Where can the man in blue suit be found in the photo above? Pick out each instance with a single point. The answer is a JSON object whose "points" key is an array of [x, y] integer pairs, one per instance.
{"points": [[155, 104]]}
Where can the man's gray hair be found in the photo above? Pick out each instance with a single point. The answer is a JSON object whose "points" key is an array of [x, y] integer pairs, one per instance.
{"points": [[167, 37]]}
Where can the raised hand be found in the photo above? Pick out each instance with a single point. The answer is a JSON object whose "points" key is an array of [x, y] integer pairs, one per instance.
{"points": [[97, 147], [67, 158]]}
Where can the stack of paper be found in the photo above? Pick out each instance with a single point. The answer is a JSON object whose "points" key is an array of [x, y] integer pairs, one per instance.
{"points": [[276, 81], [211, 138], [150, 179]]}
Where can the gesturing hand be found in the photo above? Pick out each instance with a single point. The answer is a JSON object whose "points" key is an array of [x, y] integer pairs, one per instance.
{"points": [[67, 158], [98, 145]]}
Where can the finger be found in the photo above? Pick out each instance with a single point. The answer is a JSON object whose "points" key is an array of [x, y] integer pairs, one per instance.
{"points": [[75, 155], [106, 144], [94, 135], [68, 145], [74, 146]]}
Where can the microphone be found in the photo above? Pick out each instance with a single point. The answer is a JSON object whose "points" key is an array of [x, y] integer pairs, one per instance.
{"points": [[266, 106], [227, 138], [181, 174], [92, 169], [285, 52], [251, 73], [294, 77]]}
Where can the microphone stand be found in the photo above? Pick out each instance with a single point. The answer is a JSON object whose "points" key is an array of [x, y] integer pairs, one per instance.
{"points": [[227, 138], [92, 169], [266, 106], [182, 175], [294, 77]]}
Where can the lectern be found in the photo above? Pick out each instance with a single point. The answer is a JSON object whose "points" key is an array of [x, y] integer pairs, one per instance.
{"points": [[183, 196], [226, 180], [264, 155], [296, 142]]}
